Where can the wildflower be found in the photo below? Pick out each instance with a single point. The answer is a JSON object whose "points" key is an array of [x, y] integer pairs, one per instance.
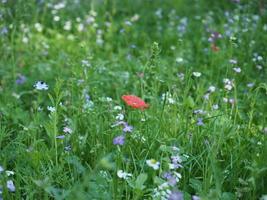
{"points": [[229, 84], [176, 195], [127, 128], [211, 89], [194, 197], [123, 175], [20, 80], [180, 76], [119, 140], [199, 111], [1, 169], [56, 18], [38, 27], [215, 107], [134, 102], [67, 26], [117, 108], [153, 163], [51, 108], [233, 61], [67, 148], [10, 186], [85, 63], [67, 130], [237, 69], [176, 159], [60, 136], [250, 85], [231, 101], [174, 166], [200, 122], [196, 74], [9, 173], [40, 85], [120, 117]]}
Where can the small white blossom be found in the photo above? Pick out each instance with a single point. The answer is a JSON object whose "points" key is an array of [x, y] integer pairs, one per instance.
{"points": [[117, 108], [40, 85], [237, 69], [56, 18], [153, 163], [9, 173], [211, 89], [123, 175], [67, 26], [196, 74], [38, 27], [215, 107], [120, 117], [51, 108]]}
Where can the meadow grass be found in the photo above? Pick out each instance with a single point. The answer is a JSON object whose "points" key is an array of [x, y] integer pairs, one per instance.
{"points": [[66, 132]]}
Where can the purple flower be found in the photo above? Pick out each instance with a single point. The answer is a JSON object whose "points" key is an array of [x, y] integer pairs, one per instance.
{"points": [[194, 197], [119, 140], [60, 136], [200, 122], [10, 186], [176, 195], [167, 175], [172, 181], [20, 80], [127, 128]]}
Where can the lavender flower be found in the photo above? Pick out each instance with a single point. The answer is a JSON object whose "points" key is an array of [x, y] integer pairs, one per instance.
{"points": [[200, 122], [10, 186], [119, 140], [127, 128], [60, 136], [176, 195], [20, 80]]}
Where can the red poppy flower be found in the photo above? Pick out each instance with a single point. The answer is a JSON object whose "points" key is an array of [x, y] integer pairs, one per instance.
{"points": [[134, 102]]}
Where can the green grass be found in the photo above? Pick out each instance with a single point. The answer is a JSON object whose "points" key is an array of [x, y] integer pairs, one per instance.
{"points": [[150, 49]]}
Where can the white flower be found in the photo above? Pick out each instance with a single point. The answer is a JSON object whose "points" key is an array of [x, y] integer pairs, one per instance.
{"points": [[9, 173], [10, 186], [108, 99], [117, 108], [25, 40], [67, 130], [80, 27], [86, 63], [56, 18], [67, 26], [123, 175], [225, 99], [196, 74], [179, 60], [1, 169], [153, 163], [250, 85], [51, 108], [215, 107], [38, 27], [212, 89], [237, 69], [40, 85], [120, 117], [228, 87]]}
